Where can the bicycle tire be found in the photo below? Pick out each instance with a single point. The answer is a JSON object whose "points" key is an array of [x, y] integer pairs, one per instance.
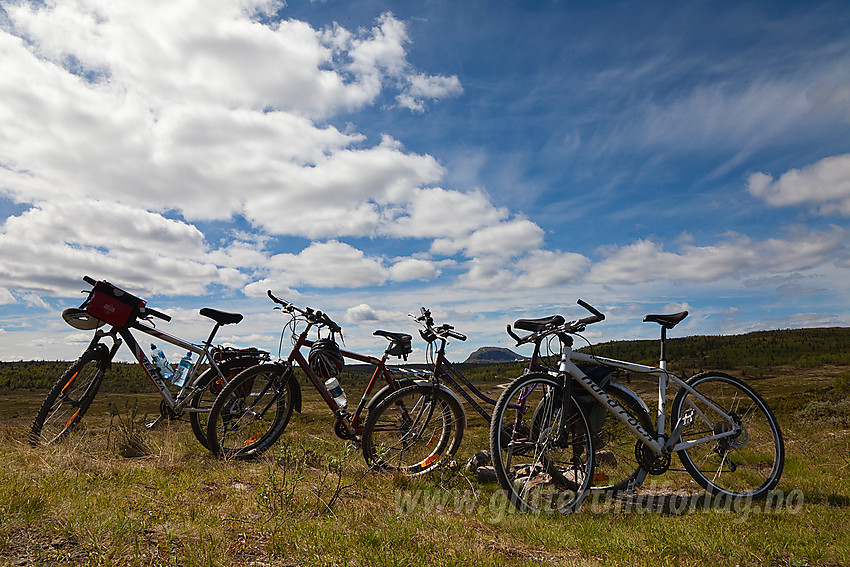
{"points": [[251, 412], [535, 474], [615, 468], [202, 402], [745, 465], [413, 430], [69, 398]]}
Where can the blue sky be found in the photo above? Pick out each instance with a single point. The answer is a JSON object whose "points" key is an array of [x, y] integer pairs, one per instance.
{"points": [[491, 160]]}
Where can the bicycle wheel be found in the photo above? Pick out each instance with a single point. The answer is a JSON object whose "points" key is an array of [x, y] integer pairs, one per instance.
{"points": [[251, 412], [70, 398], [746, 464], [540, 470], [202, 403], [615, 467], [413, 429]]}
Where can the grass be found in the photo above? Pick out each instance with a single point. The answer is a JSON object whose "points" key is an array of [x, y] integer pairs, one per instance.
{"points": [[311, 501]]}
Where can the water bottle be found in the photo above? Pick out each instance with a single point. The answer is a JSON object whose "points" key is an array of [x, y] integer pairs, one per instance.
{"points": [[182, 372], [332, 384], [161, 362]]}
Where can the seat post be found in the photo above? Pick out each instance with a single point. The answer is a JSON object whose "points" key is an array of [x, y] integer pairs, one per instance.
{"points": [[208, 344], [663, 360]]}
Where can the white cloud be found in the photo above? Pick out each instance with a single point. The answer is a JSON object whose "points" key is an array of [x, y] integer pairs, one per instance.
{"points": [[410, 269], [510, 238], [428, 86], [437, 212], [738, 256], [544, 268], [365, 313], [328, 264], [51, 246], [824, 185], [198, 108], [538, 269], [6, 297]]}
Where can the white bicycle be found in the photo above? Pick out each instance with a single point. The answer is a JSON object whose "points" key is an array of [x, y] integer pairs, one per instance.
{"points": [[545, 443]]}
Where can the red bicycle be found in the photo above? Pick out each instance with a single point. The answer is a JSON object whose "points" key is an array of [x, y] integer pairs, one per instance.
{"points": [[255, 407]]}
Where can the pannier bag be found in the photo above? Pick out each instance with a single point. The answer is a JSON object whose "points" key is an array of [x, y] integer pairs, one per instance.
{"points": [[593, 410], [112, 305]]}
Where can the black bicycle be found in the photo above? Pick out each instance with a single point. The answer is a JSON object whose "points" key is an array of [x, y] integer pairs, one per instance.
{"points": [[114, 314]]}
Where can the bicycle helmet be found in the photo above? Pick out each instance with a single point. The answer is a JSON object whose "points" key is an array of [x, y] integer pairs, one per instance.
{"points": [[325, 359]]}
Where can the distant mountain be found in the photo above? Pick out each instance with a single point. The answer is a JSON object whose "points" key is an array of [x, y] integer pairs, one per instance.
{"points": [[493, 354]]}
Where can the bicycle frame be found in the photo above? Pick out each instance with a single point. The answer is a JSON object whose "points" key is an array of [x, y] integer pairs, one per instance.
{"points": [[665, 380], [352, 421], [444, 370], [179, 402]]}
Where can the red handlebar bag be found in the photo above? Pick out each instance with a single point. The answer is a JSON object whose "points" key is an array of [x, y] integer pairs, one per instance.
{"points": [[113, 305]]}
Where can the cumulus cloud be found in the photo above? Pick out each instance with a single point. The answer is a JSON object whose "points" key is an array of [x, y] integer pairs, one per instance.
{"points": [[738, 256], [328, 264], [430, 87], [409, 269], [365, 313], [51, 246], [132, 124], [538, 269], [824, 185]]}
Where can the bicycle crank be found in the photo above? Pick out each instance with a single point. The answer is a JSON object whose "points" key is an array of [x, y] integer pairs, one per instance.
{"points": [[649, 461]]}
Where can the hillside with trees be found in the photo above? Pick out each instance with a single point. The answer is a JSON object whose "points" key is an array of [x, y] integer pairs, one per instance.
{"points": [[802, 348]]}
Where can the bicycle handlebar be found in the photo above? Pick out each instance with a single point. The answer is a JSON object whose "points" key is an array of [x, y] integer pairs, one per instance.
{"points": [[597, 316], [144, 311], [442, 331], [315, 317], [570, 327]]}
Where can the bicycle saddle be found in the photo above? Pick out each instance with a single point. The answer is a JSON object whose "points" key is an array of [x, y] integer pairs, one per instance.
{"points": [[535, 325], [399, 337], [666, 321], [221, 317]]}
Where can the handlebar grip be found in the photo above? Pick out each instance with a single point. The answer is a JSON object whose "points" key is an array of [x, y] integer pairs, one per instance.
{"points": [[514, 336], [330, 323], [597, 316], [457, 336], [277, 300], [155, 313], [88, 280]]}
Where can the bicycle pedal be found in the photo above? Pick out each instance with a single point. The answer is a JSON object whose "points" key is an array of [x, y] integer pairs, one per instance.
{"points": [[688, 418]]}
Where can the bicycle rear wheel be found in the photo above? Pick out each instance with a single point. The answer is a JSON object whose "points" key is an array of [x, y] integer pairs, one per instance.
{"points": [[251, 412], [540, 470], [413, 429], [201, 404], [70, 398], [746, 464]]}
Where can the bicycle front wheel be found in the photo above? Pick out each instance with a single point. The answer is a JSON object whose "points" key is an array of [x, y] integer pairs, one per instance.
{"points": [[747, 463], [413, 429], [70, 398], [251, 412], [541, 466]]}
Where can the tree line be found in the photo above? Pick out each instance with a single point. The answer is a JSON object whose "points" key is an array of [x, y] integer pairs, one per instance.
{"points": [[803, 348]]}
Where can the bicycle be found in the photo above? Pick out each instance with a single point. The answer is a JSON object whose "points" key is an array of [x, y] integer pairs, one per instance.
{"points": [[255, 407], [388, 419], [399, 434], [107, 305], [722, 431]]}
